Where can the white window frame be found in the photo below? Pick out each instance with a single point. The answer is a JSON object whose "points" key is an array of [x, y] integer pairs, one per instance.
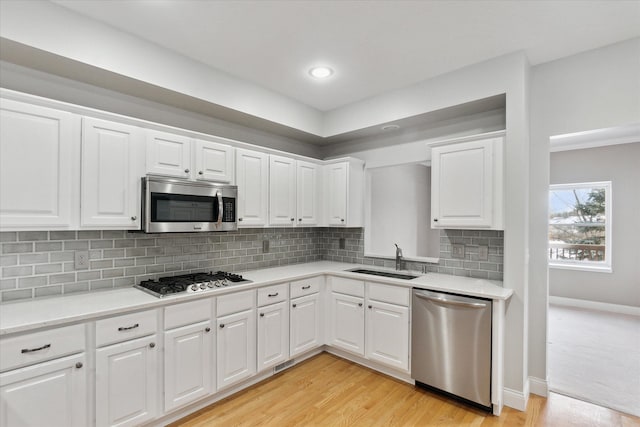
{"points": [[595, 266]]}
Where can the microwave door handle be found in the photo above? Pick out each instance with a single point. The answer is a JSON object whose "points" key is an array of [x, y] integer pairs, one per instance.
{"points": [[220, 209]]}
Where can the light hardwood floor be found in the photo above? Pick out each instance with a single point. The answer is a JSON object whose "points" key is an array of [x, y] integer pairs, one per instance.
{"points": [[329, 391]]}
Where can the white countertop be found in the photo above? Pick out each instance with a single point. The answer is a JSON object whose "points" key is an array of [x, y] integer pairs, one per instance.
{"points": [[44, 312]]}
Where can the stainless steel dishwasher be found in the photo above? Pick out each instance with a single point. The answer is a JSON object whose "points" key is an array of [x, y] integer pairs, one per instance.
{"points": [[451, 345]]}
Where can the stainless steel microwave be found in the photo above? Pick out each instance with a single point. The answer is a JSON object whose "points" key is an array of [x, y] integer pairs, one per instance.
{"points": [[172, 205]]}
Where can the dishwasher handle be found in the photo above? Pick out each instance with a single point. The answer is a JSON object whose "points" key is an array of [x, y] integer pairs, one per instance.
{"points": [[445, 301]]}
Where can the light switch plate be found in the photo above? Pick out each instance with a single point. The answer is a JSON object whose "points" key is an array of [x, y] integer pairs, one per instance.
{"points": [[483, 253], [81, 260], [457, 250]]}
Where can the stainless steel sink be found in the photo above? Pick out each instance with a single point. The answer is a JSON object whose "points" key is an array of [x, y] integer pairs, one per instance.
{"points": [[383, 273]]}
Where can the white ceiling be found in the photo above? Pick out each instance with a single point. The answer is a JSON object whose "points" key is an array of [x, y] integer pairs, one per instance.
{"points": [[373, 46]]}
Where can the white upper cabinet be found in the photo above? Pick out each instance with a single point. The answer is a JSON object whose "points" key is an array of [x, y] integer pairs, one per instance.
{"points": [[112, 165], [252, 179], [307, 193], [282, 190], [466, 184], [344, 193], [213, 161], [168, 154], [39, 167]]}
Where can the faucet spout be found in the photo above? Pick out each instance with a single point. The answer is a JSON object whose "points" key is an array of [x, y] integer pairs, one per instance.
{"points": [[399, 260]]}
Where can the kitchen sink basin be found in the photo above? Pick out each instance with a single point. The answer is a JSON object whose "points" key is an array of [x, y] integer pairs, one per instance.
{"points": [[383, 273]]}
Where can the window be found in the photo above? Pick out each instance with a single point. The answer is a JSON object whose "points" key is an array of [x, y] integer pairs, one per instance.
{"points": [[580, 226]]}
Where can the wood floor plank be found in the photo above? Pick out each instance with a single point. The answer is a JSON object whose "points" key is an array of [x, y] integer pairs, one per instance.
{"points": [[329, 391]]}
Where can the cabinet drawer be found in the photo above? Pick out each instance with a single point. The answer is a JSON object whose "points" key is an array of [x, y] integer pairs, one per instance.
{"points": [[306, 286], [390, 294], [233, 303], [273, 294], [187, 313], [126, 327], [36, 347], [347, 286]]}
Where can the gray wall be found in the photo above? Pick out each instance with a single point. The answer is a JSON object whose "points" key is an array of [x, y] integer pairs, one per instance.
{"points": [[40, 263], [618, 164]]}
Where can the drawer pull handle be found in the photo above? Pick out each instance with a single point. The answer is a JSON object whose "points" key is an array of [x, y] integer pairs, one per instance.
{"points": [[31, 350], [79, 365], [152, 345], [221, 325], [128, 327], [261, 314], [359, 304], [273, 295], [306, 287], [207, 329], [294, 305]]}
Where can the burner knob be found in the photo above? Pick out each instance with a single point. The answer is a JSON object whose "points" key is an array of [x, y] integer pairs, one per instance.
{"points": [[211, 285], [203, 286], [194, 287], [218, 284], [225, 282]]}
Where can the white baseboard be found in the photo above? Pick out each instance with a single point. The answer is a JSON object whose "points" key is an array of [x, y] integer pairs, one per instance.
{"points": [[538, 386], [594, 305], [517, 399]]}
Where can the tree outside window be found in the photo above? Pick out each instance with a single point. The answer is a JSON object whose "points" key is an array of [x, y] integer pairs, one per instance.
{"points": [[579, 226]]}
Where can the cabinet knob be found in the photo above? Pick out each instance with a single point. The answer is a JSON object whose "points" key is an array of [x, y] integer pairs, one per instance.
{"points": [[435, 219], [79, 365], [200, 173], [293, 305], [133, 218], [152, 345], [299, 219], [207, 329], [293, 219], [240, 219], [359, 304], [221, 325], [261, 314], [187, 171], [370, 306], [341, 219]]}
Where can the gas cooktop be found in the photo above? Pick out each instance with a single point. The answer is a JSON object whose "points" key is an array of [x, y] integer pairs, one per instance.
{"points": [[190, 283]]}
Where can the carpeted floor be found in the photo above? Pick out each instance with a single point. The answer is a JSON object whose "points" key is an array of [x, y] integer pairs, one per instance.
{"points": [[595, 356]]}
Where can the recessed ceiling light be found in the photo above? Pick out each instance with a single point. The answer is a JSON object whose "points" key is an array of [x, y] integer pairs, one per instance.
{"points": [[390, 127], [320, 72]]}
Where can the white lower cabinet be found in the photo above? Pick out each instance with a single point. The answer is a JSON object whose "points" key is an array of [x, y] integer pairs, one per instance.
{"points": [[52, 393], [236, 347], [188, 364], [305, 331], [346, 320], [273, 335], [387, 338], [127, 383]]}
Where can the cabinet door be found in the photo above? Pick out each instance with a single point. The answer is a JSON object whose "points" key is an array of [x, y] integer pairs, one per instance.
{"points": [[126, 383], [47, 394], [252, 179], [112, 165], [346, 323], [336, 193], [273, 335], [168, 154], [188, 364], [462, 185], [214, 161], [282, 190], [236, 347], [307, 193], [39, 166], [305, 324], [388, 334]]}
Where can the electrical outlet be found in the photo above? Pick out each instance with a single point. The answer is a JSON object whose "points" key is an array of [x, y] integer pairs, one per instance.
{"points": [[265, 246], [457, 250], [81, 260], [483, 253], [342, 243]]}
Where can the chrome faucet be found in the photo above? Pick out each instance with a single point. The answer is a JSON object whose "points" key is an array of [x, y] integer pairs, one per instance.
{"points": [[399, 259]]}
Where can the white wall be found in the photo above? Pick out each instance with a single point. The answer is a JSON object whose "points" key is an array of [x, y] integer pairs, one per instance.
{"points": [[592, 90], [618, 164]]}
